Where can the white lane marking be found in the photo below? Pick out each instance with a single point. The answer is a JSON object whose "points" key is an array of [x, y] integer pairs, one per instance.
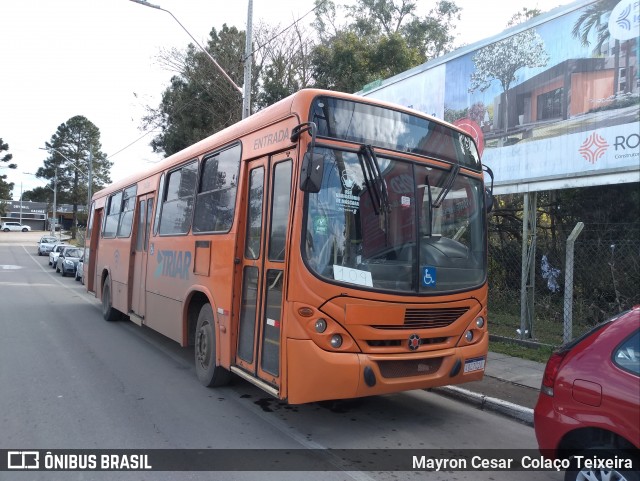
{"points": [[24, 284]]}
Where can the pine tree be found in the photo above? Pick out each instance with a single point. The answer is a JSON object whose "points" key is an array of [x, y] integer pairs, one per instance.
{"points": [[69, 157], [5, 187]]}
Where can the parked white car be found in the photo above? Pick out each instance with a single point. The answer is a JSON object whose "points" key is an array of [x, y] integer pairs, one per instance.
{"points": [[55, 252], [16, 226], [80, 270]]}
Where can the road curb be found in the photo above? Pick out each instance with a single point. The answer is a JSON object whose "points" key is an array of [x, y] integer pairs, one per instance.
{"points": [[506, 408]]}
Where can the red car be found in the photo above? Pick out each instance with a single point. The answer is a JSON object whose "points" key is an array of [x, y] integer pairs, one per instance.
{"points": [[589, 403]]}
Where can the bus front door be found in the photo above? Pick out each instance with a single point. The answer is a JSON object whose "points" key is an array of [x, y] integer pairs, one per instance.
{"points": [[95, 228], [263, 268], [140, 256]]}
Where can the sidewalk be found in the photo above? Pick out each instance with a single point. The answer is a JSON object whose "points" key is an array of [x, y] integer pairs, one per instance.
{"points": [[30, 238], [510, 387]]}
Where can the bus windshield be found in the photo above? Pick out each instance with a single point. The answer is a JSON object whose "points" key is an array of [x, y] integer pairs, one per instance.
{"points": [[412, 228], [394, 130]]}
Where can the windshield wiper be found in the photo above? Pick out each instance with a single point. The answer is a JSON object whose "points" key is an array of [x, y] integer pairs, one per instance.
{"points": [[446, 186], [374, 181], [444, 191], [430, 224], [365, 165]]}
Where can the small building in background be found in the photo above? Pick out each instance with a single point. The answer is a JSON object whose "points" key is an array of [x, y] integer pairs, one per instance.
{"points": [[38, 215]]}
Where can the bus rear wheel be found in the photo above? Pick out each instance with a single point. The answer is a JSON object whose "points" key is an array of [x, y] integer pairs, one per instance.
{"points": [[109, 313], [209, 372]]}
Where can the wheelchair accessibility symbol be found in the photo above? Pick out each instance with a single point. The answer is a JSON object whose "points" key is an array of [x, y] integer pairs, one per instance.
{"points": [[429, 277]]}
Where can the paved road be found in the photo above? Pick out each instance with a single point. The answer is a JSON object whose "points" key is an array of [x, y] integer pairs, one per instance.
{"points": [[70, 380]]}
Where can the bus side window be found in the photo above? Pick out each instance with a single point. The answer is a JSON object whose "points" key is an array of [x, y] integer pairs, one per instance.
{"points": [[161, 197], [112, 216], [175, 217], [216, 199], [126, 216]]}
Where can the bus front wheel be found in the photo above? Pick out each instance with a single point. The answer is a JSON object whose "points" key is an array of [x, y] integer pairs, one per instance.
{"points": [[209, 372], [108, 312]]}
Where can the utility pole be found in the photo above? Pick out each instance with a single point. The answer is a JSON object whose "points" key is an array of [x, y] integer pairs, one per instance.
{"points": [[55, 207], [90, 183], [248, 60]]}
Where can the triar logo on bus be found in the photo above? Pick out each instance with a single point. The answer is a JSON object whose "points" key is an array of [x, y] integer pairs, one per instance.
{"points": [[173, 264]]}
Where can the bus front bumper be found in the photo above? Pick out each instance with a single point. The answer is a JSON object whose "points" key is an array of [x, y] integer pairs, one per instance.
{"points": [[318, 375]]}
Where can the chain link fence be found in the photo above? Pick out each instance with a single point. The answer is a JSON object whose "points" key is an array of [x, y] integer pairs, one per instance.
{"points": [[568, 300]]}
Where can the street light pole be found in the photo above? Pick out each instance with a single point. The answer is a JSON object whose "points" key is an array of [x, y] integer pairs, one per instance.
{"points": [[245, 91]]}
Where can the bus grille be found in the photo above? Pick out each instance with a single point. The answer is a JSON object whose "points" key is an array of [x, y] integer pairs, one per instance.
{"points": [[408, 368], [427, 318]]}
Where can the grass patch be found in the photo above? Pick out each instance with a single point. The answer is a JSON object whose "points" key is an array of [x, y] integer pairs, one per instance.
{"points": [[548, 326], [538, 354]]}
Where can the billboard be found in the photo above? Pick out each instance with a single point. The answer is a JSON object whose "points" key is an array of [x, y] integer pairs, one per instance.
{"points": [[552, 103]]}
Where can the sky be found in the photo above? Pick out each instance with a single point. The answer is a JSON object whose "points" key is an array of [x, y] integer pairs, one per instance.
{"points": [[98, 58]]}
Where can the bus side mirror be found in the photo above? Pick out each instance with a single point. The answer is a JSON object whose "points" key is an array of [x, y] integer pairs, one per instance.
{"points": [[488, 200], [312, 164], [488, 193], [311, 172]]}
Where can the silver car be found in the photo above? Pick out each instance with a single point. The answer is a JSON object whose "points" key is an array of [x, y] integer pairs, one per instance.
{"points": [[68, 260], [45, 244]]}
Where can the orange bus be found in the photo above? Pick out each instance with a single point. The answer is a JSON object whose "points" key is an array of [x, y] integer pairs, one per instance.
{"points": [[329, 246]]}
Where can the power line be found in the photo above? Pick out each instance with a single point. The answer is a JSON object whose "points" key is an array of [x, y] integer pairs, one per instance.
{"points": [[284, 30], [215, 86], [134, 142]]}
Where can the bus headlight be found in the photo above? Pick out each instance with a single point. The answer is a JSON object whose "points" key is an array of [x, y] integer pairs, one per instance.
{"points": [[469, 336], [320, 325], [327, 333], [480, 322], [336, 341]]}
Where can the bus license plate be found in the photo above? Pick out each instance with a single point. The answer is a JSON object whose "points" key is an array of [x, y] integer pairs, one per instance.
{"points": [[475, 364]]}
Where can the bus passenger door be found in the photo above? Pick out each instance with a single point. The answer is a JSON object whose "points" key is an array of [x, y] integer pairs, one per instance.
{"points": [[94, 228], [139, 283], [263, 268]]}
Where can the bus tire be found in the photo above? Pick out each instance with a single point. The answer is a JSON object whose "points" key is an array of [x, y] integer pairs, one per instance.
{"points": [[109, 313], [209, 373]]}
